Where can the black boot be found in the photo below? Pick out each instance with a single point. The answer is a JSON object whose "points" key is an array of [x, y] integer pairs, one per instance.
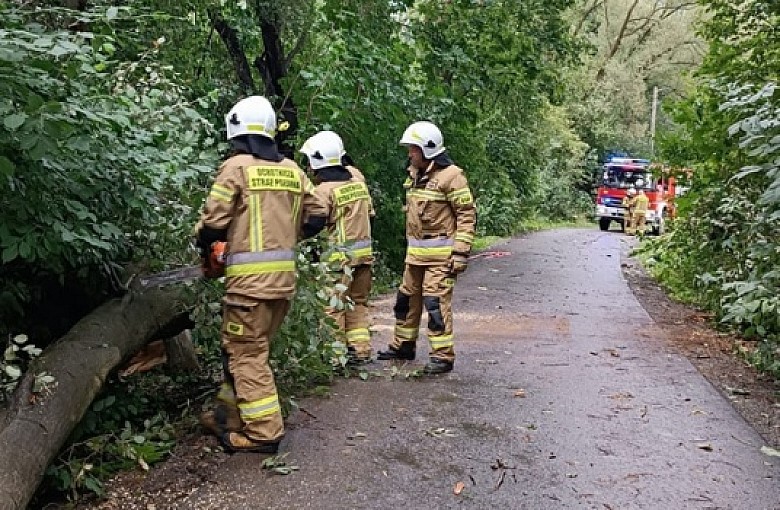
{"points": [[437, 366], [407, 352]]}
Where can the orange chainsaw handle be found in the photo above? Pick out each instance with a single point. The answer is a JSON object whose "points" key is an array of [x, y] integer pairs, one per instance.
{"points": [[214, 264]]}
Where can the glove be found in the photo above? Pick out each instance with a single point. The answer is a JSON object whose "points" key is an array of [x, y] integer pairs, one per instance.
{"points": [[458, 263]]}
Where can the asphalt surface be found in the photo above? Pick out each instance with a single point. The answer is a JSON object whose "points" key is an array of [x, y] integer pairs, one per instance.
{"points": [[564, 395]]}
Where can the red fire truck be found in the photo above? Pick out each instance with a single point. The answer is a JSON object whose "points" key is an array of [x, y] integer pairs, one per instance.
{"points": [[620, 174]]}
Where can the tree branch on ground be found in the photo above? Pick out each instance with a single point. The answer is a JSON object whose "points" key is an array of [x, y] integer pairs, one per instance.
{"points": [[79, 364]]}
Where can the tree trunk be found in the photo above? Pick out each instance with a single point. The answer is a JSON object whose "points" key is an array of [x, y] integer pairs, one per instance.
{"points": [[181, 352], [36, 425]]}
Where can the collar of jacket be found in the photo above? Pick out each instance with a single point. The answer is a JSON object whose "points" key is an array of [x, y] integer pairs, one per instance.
{"points": [[256, 145], [421, 177], [333, 174], [443, 160]]}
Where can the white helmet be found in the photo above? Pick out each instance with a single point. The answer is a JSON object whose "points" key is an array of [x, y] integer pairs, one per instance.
{"points": [[323, 149], [253, 115], [631, 191], [426, 136]]}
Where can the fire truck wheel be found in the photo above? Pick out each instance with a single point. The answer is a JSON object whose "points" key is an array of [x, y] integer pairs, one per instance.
{"points": [[604, 224]]}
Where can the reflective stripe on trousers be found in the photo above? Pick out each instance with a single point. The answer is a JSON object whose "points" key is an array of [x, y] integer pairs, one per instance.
{"points": [[258, 408]]}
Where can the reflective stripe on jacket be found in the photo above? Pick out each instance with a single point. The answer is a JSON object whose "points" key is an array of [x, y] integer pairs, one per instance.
{"points": [[263, 205], [440, 215]]}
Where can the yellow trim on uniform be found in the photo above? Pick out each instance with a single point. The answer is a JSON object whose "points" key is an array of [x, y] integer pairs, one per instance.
{"points": [[425, 251], [357, 253], [461, 196], [276, 266], [358, 336], [255, 222], [464, 237], [361, 252], [441, 341], [221, 193], [296, 209], [407, 333], [259, 408], [426, 194]]}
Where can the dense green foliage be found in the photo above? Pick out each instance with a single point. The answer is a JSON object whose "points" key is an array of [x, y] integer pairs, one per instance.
{"points": [[724, 251], [88, 176]]}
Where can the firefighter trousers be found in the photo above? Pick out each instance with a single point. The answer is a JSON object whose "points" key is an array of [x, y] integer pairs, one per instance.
{"points": [[430, 287], [248, 325], [638, 223], [354, 322]]}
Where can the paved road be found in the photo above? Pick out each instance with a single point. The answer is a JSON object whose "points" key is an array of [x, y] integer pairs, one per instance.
{"points": [[564, 395]]}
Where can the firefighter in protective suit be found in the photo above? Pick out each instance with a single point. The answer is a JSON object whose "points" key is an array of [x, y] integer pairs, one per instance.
{"points": [[343, 189], [440, 222], [628, 211], [639, 204], [261, 204]]}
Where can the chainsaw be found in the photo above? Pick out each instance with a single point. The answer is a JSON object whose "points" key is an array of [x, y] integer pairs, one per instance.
{"points": [[212, 266]]}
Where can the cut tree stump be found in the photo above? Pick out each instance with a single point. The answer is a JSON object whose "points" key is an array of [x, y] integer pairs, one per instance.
{"points": [[181, 352], [35, 426]]}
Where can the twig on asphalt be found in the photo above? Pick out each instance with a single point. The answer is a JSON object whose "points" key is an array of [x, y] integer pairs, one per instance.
{"points": [[304, 411]]}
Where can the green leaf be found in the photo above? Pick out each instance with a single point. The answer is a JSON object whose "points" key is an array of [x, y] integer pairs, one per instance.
{"points": [[93, 484], [14, 121], [13, 372], [6, 167], [10, 253]]}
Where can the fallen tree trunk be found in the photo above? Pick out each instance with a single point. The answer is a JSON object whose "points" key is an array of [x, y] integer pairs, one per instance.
{"points": [[36, 425]]}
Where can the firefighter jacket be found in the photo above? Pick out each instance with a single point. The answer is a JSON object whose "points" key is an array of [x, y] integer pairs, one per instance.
{"points": [[350, 208], [440, 215], [263, 206], [640, 203]]}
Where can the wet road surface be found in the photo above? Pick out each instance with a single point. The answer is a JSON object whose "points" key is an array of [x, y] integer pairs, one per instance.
{"points": [[564, 395]]}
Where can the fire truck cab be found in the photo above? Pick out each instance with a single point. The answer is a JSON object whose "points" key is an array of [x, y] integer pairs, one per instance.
{"points": [[620, 174]]}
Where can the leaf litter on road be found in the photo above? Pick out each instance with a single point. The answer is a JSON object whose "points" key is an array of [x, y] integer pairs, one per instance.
{"points": [[279, 465], [440, 432]]}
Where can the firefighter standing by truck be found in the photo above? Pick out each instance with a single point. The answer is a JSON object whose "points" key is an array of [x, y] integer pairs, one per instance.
{"points": [[640, 204], [440, 223], [342, 188], [628, 211], [261, 204]]}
